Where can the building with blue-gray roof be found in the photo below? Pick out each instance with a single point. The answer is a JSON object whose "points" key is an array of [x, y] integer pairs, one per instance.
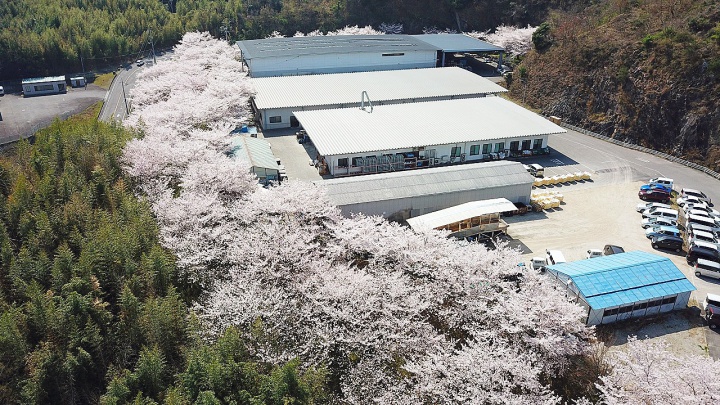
{"points": [[39, 86], [624, 285]]}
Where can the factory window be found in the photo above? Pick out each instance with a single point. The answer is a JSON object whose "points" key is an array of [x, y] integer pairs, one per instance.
{"points": [[526, 144], [455, 151], [486, 148], [343, 162], [515, 145], [474, 150], [537, 144], [393, 54], [275, 119], [670, 300], [611, 312], [44, 87], [625, 309], [356, 161], [499, 147], [655, 303]]}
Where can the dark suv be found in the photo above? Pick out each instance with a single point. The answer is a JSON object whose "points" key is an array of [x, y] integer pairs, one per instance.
{"points": [[669, 242], [700, 252]]}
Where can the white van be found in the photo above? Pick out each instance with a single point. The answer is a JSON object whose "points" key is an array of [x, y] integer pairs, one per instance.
{"points": [[696, 193], [663, 181], [554, 257], [701, 220], [536, 170], [707, 268], [661, 212], [701, 236]]}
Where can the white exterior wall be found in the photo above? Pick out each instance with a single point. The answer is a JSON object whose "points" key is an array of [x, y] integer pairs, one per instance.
{"points": [[285, 113], [57, 87], [596, 316], [403, 208], [340, 63], [442, 152]]}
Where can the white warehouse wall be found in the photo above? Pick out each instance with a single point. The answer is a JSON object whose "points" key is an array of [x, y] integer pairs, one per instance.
{"points": [[340, 63]]}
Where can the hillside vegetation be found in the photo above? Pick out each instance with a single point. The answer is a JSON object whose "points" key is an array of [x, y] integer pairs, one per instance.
{"points": [[41, 37], [646, 72]]}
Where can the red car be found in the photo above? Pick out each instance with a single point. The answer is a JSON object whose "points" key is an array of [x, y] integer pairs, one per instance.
{"points": [[654, 195]]}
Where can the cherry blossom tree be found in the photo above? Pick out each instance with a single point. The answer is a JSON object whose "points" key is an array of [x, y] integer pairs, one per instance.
{"points": [[515, 40], [397, 317], [396, 28], [647, 372]]}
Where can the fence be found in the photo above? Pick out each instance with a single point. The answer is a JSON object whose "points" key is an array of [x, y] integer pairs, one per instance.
{"points": [[646, 150]]}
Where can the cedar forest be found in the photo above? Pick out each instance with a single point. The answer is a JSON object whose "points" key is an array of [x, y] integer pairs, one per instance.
{"points": [[143, 264]]}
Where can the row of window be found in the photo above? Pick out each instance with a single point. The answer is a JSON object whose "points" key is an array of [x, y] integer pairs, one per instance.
{"points": [[44, 87], [637, 307]]}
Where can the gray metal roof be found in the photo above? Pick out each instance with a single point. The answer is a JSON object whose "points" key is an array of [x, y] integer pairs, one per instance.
{"points": [[399, 126], [437, 219], [323, 45], [346, 88], [423, 182], [458, 43], [35, 80], [256, 152]]}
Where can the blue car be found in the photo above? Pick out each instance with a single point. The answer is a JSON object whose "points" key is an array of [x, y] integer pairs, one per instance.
{"points": [[662, 230], [659, 187]]}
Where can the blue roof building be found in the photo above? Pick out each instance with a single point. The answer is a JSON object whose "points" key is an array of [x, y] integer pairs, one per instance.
{"points": [[624, 285]]}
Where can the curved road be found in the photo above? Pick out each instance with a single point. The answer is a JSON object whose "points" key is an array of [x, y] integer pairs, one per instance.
{"points": [[114, 106]]}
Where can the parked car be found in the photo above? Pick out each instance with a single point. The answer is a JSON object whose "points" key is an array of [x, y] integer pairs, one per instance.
{"points": [[701, 236], [693, 227], [612, 249], [701, 250], [140, 62], [538, 264], [712, 316], [707, 268], [701, 209], [647, 205], [696, 193], [536, 170], [661, 212], [668, 242], [663, 181], [593, 253], [554, 257], [662, 230], [2, 91], [681, 201], [711, 301], [654, 195], [659, 187], [657, 221], [702, 220]]}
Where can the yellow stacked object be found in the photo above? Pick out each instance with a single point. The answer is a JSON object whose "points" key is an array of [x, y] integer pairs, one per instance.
{"points": [[586, 176]]}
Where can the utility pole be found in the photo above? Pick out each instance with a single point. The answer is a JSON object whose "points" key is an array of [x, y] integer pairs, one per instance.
{"points": [[83, 69], [152, 45], [127, 110]]}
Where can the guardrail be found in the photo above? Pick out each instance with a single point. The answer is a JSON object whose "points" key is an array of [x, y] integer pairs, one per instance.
{"points": [[643, 149]]}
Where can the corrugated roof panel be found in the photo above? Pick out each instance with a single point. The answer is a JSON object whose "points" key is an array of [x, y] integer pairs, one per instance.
{"points": [[625, 278], [324, 45], [433, 220], [400, 126], [347, 88], [257, 152], [458, 43], [421, 182], [34, 80]]}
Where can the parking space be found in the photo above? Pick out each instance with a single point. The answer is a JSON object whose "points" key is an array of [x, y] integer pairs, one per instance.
{"points": [[22, 117]]}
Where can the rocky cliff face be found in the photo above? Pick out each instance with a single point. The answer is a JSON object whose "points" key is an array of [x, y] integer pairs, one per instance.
{"points": [[643, 72]]}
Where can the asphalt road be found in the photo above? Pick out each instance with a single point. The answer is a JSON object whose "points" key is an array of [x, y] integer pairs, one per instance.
{"points": [[114, 108]]}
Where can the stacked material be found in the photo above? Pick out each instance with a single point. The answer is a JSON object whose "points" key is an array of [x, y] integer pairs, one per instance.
{"points": [[546, 199], [561, 179]]}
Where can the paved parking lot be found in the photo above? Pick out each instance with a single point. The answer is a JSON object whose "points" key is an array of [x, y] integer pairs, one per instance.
{"points": [[294, 156], [22, 117], [603, 212]]}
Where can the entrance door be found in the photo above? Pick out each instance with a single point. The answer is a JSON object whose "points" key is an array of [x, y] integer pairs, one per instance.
{"points": [[294, 123]]}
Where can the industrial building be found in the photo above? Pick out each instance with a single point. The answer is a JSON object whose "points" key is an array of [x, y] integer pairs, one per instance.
{"points": [[258, 155], [402, 195], [624, 285], [278, 97], [353, 53], [352, 141], [44, 85], [466, 220]]}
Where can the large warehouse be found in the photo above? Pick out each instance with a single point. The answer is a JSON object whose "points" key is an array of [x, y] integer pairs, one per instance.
{"points": [[44, 85], [353, 53], [402, 195], [335, 54], [352, 141], [278, 97], [624, 285]]}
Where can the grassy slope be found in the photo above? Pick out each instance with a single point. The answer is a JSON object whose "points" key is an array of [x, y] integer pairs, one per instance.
{"points": [[645, 71]]}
